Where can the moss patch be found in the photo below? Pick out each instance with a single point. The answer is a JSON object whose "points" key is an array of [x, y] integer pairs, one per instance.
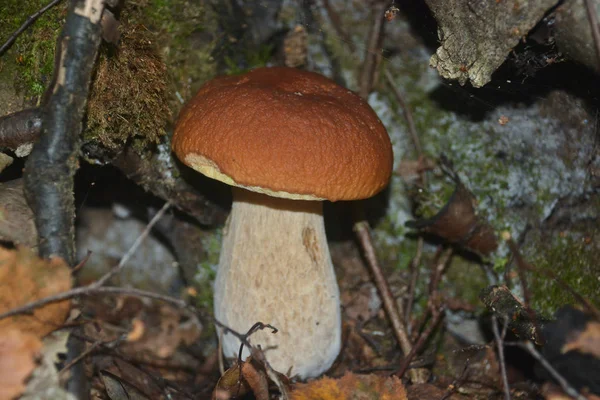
{"points": [[574, 259], [31, 57], [128, 100]]}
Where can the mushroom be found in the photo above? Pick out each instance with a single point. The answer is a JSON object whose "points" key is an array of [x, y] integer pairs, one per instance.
{"points": [[285, 139]]}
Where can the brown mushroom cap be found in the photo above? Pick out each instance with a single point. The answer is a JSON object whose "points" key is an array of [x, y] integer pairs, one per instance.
{"points": [[287, 133]]}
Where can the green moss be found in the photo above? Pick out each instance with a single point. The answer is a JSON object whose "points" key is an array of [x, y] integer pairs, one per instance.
{"points": [[464, 280], [254, 58], [574, 260], [32, 54], [185, 33]]}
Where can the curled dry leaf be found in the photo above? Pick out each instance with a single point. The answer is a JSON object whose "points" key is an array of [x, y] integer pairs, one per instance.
{"points": [[18, 354], [351, 387], [24, 278], [458, 222]]}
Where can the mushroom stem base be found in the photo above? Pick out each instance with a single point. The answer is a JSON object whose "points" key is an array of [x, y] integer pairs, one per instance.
{"points": [[275, 268]]}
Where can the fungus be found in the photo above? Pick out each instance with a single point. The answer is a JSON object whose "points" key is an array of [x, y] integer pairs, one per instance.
{"points": [[285, 139]]}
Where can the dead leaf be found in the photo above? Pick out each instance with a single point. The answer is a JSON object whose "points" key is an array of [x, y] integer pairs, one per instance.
{"points": [[18, 354], [163, 337], [586, 341], [351, 387], [231, 384], [24, 278], [257, 380], [118, 389]]}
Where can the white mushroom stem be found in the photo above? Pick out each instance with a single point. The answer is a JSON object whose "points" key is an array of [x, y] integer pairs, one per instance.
{"points": [[275, 268]]}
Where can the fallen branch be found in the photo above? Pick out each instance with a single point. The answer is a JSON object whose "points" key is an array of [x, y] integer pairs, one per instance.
{"points": [[51, 167], [20, 128]]}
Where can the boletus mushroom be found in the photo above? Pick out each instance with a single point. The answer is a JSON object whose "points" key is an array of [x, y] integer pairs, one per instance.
{"points": [[285, 140]]}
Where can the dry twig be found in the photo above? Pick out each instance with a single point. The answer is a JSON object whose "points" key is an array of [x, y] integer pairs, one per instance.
{"points": [[566, 387], [363, 233], [414, 277], [117, 268], [373, 55], [437, 317], [500, 343]]}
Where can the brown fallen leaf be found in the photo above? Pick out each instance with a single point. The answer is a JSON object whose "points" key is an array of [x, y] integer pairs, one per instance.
{"points": [[351, 387], [163, 332], [24, 277], [587, 341], [18, 354]]}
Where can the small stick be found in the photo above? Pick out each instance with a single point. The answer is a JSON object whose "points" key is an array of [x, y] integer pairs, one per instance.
{"points": [[591, 11], [117, 268], [566, 387], [437, 317], [372, 53], [438, 270], [336, 22], [363, 233], [410, 121], [112, 344], [414, 277], [30, 20], [500, 343]]}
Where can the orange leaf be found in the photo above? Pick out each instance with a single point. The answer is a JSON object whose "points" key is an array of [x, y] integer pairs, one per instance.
{"points": [[24, 278], [18, 352], [351, 387]]}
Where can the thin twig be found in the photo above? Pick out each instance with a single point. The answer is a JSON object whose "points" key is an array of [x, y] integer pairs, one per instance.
{"points": [[336, 22], [591, 11], [438, 270], [363, 233], [372, 54], [414, 277], [27, 308], [455, 385], [437, 317], [500, 343], [112, 344], [410, 121], [566, 387], [117, 268], [30, 20], [95, 287]]}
